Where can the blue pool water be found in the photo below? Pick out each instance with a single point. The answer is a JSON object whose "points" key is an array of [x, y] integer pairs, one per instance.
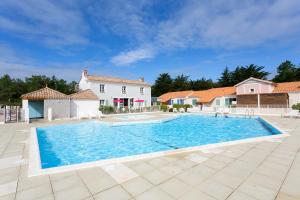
{"points": [[91, 141]]}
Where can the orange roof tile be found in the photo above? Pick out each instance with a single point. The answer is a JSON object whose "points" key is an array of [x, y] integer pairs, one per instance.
{"points": [[287, 87], [44, 93], [206, 96], [84, 94], [171, 95], [115, 80]]}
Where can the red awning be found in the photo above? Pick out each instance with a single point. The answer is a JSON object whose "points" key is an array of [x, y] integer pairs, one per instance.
{"points": [[139, 100]]}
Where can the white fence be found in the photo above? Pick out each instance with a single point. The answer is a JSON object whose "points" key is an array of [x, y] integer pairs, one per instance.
{"points": [[245, 110]]}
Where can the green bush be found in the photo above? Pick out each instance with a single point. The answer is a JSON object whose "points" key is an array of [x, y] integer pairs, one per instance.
{"points": [[185, 106], [107, 109], [296, 106], [164, 107]]}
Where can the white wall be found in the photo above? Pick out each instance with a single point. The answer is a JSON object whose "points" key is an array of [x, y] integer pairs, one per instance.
{"points": [[114, 90], [294, 98], [60, 108], [84, 108], [222, 100], [25, 109]]}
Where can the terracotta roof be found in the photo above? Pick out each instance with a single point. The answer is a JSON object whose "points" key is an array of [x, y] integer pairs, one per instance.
{"points": [[287, 87], [44, 93], [84, 94], [206, 96], [115, 80], [171, 95]]}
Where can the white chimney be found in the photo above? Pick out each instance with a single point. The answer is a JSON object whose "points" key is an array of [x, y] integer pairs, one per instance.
{"points": [[141, 79], [84, 73]]}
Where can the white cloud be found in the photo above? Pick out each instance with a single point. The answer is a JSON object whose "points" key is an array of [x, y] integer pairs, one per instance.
{"points": [[129, 57], [48, 22], [225, 24]]}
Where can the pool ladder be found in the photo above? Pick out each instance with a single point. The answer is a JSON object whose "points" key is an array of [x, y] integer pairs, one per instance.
{"points": [[249, 113]]}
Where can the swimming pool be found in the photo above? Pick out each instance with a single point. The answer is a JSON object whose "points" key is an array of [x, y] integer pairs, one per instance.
{"points": [[63, 145]]}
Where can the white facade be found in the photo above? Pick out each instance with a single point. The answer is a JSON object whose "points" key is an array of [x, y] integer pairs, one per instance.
{"points": [[84, 108], [113, 90], [223, 101], [191, 101], [60, 108], [294, 98]]}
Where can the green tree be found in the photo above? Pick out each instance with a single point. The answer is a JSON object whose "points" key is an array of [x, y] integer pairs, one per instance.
{"points": [[242, 73], [201, 84], [226, 78], [287, 71], [163, 84], [12, 89], [181, 83]]}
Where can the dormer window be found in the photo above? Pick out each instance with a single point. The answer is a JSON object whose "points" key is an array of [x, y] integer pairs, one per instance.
{"points": [[251, 90], [123, 89]]}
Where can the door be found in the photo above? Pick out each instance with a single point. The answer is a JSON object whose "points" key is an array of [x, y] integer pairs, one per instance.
{"points": [[36, 109]]}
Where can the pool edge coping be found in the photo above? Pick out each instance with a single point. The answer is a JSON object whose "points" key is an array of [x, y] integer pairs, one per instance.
{"points": [[35, 169]]}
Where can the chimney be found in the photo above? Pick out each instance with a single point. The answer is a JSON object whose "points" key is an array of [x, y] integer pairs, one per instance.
{"points": [[84, 73], [141, 79]]}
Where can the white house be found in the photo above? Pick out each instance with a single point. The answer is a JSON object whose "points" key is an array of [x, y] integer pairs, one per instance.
{"points": [[116, 91], [47, 103]]}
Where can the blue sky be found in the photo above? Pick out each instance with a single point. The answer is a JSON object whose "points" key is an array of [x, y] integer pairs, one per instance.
{"points": [[145, 38]]}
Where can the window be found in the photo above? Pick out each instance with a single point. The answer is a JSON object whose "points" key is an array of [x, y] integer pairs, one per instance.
{"points": [[101, 88], [252, 90], [218, 102], [141, 90], [123, 89], [102, 102]]}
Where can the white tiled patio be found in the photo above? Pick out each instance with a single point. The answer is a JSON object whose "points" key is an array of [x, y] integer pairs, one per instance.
{"points": [[258, 170]]}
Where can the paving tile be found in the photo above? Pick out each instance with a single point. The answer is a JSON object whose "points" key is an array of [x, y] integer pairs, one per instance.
{"points": [[70, 187], [214, 164], [9, 175], [119, 172], [196, 195], [137, 186], [36, 193], [240, 196], [171, 169], [257, 191], [8, 188], [8, 197], [227, 179], [154, 193], [184, 164], [10, 162], [96, 179], [174, 187], [156, 177], [157, 162], [116, 193], [63, 175], [196, 158], [283, 196], [29, 182], [215, 189], [142, 168], [191, 178]]}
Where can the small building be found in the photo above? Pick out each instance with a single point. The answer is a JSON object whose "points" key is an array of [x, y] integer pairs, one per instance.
{"points": [[252, 92], [47, 103], [117, 92], [257, 92], [180, 97]]}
